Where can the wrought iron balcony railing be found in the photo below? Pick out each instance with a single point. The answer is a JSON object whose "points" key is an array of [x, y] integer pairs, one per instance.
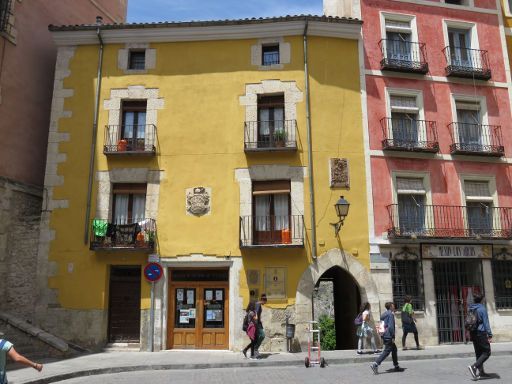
{"points": [[476, 139], [130, 140], [466, 62], [139, 235], [272, 231], [270, 58], [478, 221], [403, 56], [271, 135], [409, 135], [5, 13]]}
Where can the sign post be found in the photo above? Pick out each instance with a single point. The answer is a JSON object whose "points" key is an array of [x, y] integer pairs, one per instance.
{"points": [[152, 272]]}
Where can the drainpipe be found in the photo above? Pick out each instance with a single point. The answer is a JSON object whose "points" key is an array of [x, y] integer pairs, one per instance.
{"points": [[99, 22], [310, 147]]}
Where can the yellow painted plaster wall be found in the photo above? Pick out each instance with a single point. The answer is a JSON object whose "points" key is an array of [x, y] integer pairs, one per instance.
{"points": [[200, 133]]}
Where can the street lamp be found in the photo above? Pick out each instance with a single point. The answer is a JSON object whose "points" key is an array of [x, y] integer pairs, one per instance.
{"points": [[341, 207]]}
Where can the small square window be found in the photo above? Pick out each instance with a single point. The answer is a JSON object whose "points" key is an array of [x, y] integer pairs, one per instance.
{"points": [[137, 60], [270, 54]]}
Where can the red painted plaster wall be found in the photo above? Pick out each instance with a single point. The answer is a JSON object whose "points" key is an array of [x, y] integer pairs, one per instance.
{"points": [[26, 79], [444, 173]]}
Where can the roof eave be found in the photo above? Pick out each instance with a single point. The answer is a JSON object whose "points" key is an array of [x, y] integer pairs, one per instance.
{"points": [[317, 27]]}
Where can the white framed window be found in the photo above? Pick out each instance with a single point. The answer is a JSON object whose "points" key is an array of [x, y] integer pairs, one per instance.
{"points": [[412, 197], [470, 130], [400, 37], [405, 115], [507, 6], [467, 3], [136, 58], [480, 199], [461, 44], [270, 53]]}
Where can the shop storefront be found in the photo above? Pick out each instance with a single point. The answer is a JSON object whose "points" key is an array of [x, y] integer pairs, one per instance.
{"points": [[198, 303]]}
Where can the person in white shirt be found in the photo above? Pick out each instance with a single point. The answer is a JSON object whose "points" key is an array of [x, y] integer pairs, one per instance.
{"points": [[365, 330]]}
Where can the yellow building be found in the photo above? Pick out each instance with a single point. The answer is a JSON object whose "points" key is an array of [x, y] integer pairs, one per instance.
{"points": [[198, 157]]}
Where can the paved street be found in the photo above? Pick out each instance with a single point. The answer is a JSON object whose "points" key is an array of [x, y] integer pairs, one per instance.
{"points": [[451, 371]]}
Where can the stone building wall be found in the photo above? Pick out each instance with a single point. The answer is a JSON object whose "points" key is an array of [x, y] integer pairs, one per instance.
{"points": [[20, 210]]}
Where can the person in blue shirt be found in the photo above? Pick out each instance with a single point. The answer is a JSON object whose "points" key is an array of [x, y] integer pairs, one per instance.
{"points": [[7, 349], [388, 338], [481, 337]]}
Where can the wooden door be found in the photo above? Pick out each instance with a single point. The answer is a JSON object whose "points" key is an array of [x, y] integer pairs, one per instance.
{"points": [[124, 304], [198, 315]]}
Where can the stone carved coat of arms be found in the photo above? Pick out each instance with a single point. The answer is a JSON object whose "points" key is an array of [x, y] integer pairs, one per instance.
{"points": [[198, 201]]}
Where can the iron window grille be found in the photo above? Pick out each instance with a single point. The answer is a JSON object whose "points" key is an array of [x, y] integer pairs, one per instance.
{"points": [[5, 12], [502, 279], [407, 279], [270, 54], [137, 60]]}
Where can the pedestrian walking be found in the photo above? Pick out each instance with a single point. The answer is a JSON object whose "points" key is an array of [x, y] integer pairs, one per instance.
{"points": [[388, 337], [409, 323], [250, 323], [260, 332], [481, 335], [7, 349], [365, 330]]}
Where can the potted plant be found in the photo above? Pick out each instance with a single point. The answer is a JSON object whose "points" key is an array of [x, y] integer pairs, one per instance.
{"points": [[280, 137]]}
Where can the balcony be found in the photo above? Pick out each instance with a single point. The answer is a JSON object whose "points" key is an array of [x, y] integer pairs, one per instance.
{"points": [[466, 62], [140, 236], [409, 135], [476, 140], [403, 56], [478, 221], [272, 135], [271, 231], [140, 141]]}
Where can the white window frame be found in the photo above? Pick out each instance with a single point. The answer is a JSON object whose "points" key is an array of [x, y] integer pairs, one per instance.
{"points": [[418, 94], [284, 53], [491, 180], [426, 184], [506, 8], [483, 113], [469, 3], [399, 17], [456, 24]]}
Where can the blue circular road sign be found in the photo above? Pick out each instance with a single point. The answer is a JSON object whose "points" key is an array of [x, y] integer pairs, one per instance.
{"points": [[153, 272]]}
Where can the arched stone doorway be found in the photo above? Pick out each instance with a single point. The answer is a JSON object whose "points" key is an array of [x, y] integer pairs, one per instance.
{"points": [[336, 294], [350, 266]]}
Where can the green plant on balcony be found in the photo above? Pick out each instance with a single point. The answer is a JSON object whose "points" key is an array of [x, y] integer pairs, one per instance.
{"points": [[280, 137]]}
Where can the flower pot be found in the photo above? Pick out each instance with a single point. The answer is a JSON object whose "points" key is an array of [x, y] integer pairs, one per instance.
{"points": [[122, 145]]}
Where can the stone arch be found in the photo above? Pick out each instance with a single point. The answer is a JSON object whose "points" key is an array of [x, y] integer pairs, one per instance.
{"points": [[332, 258]]}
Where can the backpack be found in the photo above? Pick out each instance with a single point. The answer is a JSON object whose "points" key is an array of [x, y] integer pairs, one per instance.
{"points": [[245, 324], [471, 321], [359, 319]]}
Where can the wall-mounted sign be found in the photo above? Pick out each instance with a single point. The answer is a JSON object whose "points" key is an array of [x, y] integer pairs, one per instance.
{"points": [[437, 251], [275, 283]]}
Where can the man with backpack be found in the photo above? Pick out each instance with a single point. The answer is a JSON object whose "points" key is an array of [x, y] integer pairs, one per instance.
{"points": [[477, 323], [388, 337]]}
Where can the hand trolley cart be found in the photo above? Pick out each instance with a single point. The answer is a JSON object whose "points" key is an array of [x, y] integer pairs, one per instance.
{"points": [[314, 354]]}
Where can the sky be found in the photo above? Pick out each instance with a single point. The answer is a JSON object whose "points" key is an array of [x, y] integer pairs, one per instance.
{"points": [[148, 11]]}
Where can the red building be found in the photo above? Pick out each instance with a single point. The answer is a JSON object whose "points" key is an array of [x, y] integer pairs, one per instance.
{"points": [[27, 68], [438, 114]]}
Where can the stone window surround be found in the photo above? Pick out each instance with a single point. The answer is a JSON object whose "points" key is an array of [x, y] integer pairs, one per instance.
{"points": [[245, 177], [133, 92], [123, 58], [292, 96], [105, 180], [284, 53]]}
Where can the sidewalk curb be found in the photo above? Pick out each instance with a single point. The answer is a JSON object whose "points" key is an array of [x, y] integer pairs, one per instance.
{"points": [[242, 364]]}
